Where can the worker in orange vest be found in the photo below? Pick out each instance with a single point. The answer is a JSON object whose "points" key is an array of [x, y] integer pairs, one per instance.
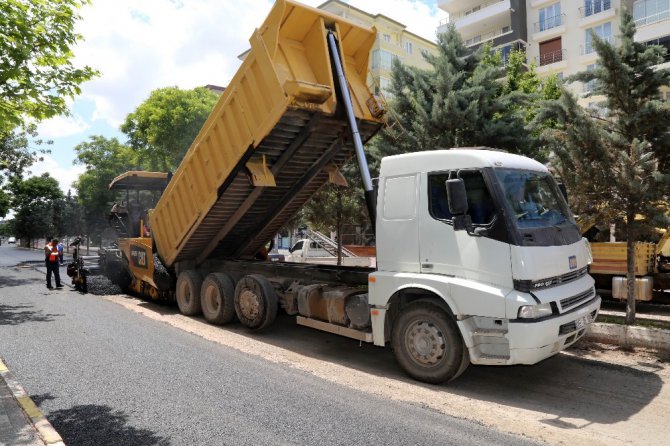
{"points": [[51, 259]]}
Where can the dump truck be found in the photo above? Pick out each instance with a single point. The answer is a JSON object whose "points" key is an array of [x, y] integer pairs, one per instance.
{"points": [[463, 274]]}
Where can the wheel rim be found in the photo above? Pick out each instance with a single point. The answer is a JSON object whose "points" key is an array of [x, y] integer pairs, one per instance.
{"points": [[211, 299], [425, 343], [249, 304], [185, 293]]}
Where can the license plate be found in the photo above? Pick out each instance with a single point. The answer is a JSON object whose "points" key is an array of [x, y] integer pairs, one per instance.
{"points": [[583, 321]]}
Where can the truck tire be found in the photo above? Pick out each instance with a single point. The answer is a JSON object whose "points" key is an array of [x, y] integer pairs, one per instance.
{"points": [[255, 302], [217, 298], [427, 344], [188, 292]]}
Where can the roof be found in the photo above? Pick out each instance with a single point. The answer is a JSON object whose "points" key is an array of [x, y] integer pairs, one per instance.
{"points": [[375, 16], [140, 180], [457, 158]]}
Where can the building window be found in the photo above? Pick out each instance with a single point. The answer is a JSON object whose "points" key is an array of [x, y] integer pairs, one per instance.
{"points": [[550, 17], [382, 59], [386, 38], [595, 6], [551, 51], [475, 40], [664, 42], [408, 47], [603, 31], [505, 29], [646, 12]]}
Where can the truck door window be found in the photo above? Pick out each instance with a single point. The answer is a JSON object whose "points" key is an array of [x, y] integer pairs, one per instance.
{"points": [[480, 204], [296, 247]]}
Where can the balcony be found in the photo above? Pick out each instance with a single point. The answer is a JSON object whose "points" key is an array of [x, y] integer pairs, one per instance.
{"points": [[549, 23], [654, 18], [487, 37], [589, 48], [596, 12], [551, 57], [491, 15]]}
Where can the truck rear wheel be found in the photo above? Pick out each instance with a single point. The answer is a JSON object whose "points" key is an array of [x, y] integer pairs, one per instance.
{"points": [[427, 344], [188, 292], [217, 298], [255, 302]]}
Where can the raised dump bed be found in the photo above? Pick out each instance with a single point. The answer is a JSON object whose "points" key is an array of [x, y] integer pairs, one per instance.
{"points": [[274, 137]]}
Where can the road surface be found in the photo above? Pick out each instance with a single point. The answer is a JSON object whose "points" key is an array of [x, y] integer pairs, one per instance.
{"points": [[104, 374]]}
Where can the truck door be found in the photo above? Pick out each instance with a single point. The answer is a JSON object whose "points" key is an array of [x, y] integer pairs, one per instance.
{"points": [[479, 259]]}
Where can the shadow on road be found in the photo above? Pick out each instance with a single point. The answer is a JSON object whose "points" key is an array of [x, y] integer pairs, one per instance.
{"points": [[19, 314], [92, 424], [6, 282]]}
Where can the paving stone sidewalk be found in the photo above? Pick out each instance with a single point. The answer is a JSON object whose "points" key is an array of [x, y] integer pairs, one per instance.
{"points": [[21, 422]]}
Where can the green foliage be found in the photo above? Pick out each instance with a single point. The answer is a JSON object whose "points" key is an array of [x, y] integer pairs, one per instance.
{"points": [[104, 159], [16, 153], [459, 102], [163, 127], [36, 72], [37, 202], [615, 158], [5, 203]]}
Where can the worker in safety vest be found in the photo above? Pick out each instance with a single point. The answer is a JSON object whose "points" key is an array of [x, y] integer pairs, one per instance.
{"points": [[52, 262]]}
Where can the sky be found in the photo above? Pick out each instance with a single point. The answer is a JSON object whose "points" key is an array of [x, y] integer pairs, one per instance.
{"points": [[139, 46]]}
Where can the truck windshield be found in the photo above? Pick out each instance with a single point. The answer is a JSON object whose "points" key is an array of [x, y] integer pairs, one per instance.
{"points": [[534, 198]]}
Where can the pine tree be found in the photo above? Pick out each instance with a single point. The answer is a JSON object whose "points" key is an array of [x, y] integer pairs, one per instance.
{"points": [[615, 158], [460, 101]]}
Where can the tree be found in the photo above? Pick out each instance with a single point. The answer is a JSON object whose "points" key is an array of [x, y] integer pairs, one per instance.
{"points": [[37, 202], [104, 159], [615, 158], [163, 127], [36, 72], [459, 102]]}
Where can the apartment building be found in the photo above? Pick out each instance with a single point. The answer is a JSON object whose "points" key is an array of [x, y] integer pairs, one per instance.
{"points": [[393, 42], [558, 32], [502, 24]]}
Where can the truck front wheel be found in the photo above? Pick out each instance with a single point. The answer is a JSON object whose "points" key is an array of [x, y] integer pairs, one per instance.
{"points": [[426, 343], [188, 292], [255, 302], [217, 298]]}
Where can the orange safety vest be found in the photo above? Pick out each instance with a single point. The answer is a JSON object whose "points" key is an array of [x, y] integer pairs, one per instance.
{"points": [[53, 255]]}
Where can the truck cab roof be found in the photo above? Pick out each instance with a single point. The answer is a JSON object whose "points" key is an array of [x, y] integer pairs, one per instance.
{"points": [[457, 158]]}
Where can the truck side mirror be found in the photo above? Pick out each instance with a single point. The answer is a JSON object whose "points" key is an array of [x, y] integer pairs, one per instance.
{"points": [[458, 205], [458, 200]]}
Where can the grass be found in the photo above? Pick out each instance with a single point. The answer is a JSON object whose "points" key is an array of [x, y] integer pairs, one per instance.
{"points": [[620, 320]]}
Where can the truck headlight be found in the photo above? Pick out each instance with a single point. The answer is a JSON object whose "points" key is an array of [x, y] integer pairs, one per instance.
{"points": [[535, 311]]}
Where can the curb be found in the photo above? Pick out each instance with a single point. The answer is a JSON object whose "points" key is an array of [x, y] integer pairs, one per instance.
{"points": [[42, 425], [628, 336]]}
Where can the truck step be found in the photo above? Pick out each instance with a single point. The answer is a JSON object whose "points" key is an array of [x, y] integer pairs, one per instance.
{"points": [[336, 329]]}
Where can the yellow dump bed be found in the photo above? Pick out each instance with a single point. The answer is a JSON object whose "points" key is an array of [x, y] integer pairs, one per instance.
{"points": [[281, 121], [611, 258]]}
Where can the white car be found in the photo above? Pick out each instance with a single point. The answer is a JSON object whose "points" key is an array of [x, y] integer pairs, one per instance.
{"points": [[11, 240]]}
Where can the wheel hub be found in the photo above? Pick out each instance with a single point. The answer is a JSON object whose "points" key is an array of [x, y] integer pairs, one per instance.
{"points": [[211, 299], [249, 304], [426, 343]]}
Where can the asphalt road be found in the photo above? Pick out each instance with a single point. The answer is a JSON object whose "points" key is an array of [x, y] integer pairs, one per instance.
{"points": [[105, 375]]}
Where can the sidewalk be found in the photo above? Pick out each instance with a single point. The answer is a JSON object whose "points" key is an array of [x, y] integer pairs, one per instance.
{"points": [[21, 422]]}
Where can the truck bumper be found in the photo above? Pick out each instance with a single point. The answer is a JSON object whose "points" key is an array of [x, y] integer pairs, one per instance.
{"points": [[532, 342]]}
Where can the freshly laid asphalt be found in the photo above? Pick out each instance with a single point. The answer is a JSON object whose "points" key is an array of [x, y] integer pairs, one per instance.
{"points": [[106, 376]]}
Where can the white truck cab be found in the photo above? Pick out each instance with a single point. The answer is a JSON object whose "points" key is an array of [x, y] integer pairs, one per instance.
{"points": [[509, 267]]}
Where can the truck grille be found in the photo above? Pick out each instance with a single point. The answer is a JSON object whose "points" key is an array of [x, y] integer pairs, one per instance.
{"points": [[527, 286], [573, 301]]}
